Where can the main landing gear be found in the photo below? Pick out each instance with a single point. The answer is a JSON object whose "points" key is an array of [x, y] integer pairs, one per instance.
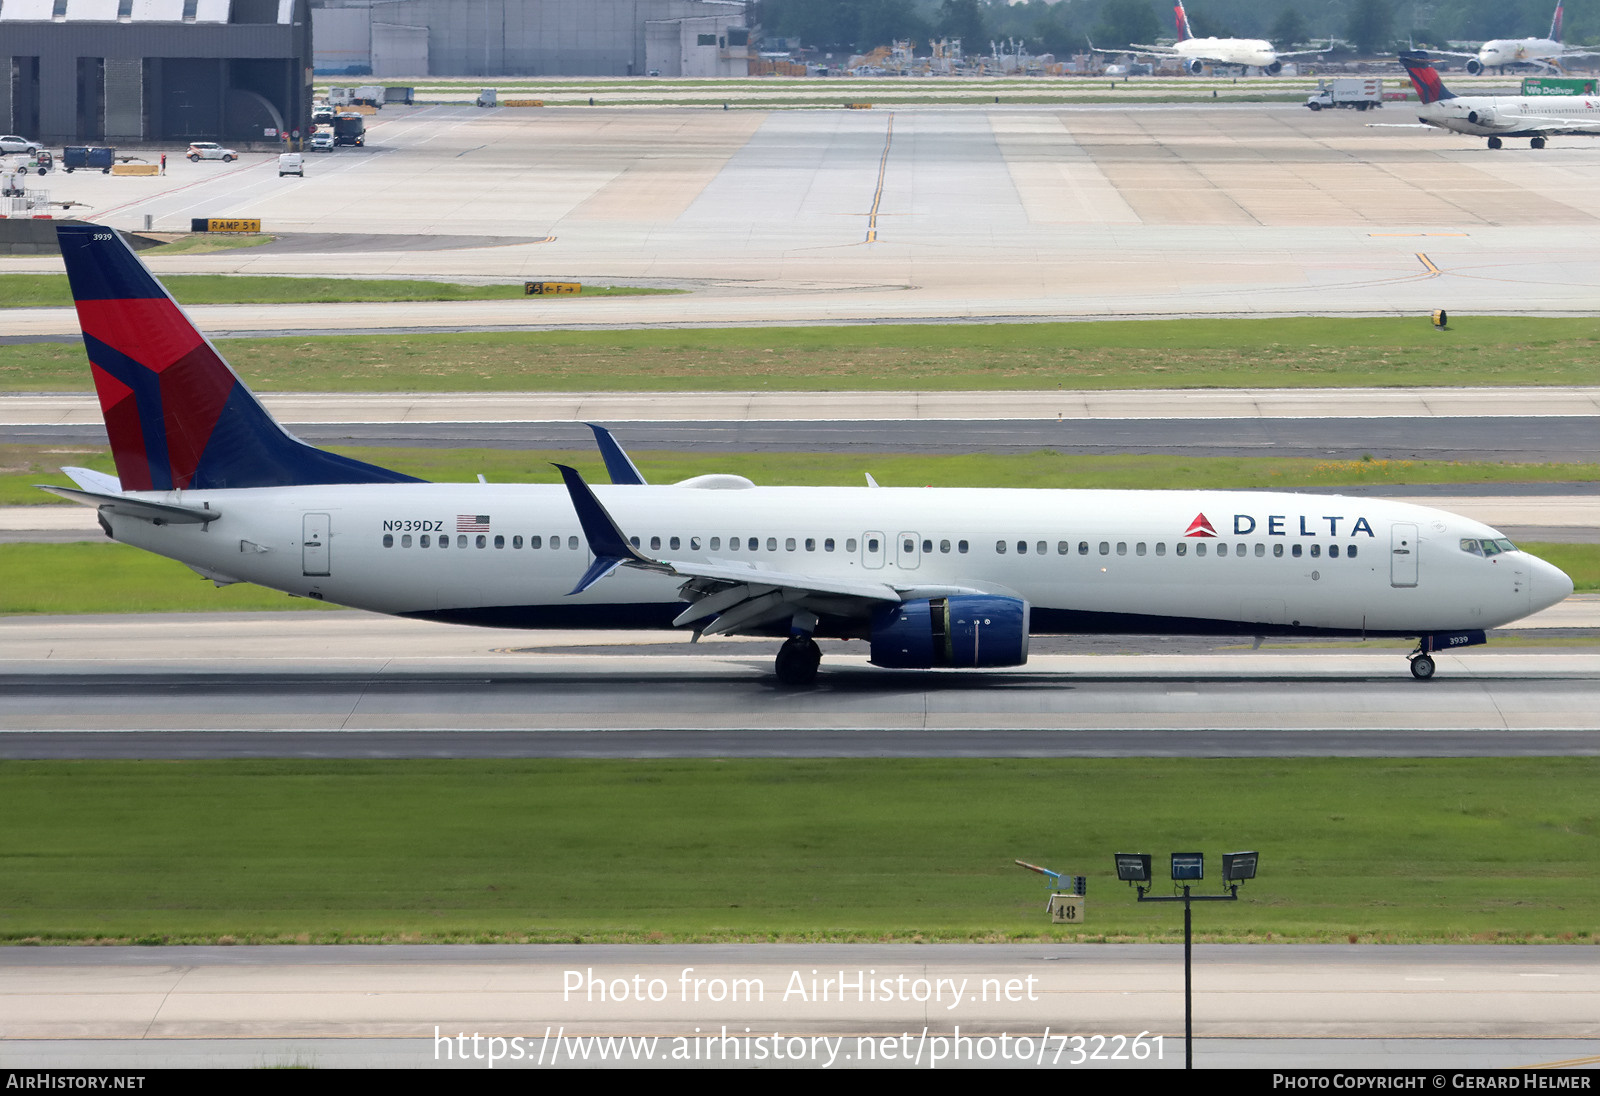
{"points": [[1494, 142], [1537, 142], [799, 656], [798, 660]]}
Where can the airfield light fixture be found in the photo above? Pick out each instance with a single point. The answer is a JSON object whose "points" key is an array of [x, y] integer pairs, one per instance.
{"points": [[1188, 868], [1133, 867], [1239, 866]]}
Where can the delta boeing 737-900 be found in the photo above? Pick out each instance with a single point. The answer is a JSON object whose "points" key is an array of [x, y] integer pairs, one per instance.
{"points": [[927, 577]]}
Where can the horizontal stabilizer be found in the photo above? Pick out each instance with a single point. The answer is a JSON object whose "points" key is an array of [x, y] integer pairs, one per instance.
{"points": [[159, 513]]}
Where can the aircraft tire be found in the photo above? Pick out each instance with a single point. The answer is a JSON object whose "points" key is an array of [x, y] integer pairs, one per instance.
{"points": [[1537, 142], [1494, 142], [1422, 667], [797, 662]]}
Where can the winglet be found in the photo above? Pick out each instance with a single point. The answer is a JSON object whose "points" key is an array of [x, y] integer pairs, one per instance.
{"points": [[618, 464], [611, 549]]}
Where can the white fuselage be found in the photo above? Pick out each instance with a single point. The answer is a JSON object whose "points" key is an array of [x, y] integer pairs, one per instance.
{"points": [[1518, 51], [1513, 116], [1086, 561], [1245, 52]]}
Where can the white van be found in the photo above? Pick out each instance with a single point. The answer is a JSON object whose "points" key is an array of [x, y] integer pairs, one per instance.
{"points": [[291, 163]]}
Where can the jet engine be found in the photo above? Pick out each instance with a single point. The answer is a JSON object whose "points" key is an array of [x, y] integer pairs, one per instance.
{"points": [[1272, 69], [1481, 117], [1474, 67], [1195, 66], [959, 632]]}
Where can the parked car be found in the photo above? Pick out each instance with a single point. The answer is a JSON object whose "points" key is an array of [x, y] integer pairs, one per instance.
{"points": [[322, 142], [291, 163], [13, 143], [210, 150], [322, 114]]}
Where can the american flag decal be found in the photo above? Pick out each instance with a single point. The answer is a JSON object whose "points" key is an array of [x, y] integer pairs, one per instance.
{"points": [[472, 523]]}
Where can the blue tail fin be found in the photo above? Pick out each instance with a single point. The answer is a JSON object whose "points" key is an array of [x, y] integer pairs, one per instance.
{"points": [[177, 415]]}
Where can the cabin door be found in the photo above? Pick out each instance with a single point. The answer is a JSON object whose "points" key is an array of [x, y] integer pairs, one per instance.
{"points": [[314, 545], [1403, 547]]}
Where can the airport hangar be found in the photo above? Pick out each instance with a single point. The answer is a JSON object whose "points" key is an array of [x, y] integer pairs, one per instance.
{"points": [[149, 71]]}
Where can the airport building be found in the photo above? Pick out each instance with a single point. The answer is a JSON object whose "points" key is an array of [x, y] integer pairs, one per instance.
{"points": [[412, 38], [133, 71]]}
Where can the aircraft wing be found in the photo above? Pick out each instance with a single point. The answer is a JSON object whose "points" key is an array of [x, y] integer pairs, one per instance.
{"points": [[732, 595], [1135, 47], [1302, 52], [1448, 53]]}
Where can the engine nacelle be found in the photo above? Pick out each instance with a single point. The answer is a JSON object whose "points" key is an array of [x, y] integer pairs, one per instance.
{"points": [[959, 632], [1474, 67], [1481, 117], [1272, 69], [1195, 66]]}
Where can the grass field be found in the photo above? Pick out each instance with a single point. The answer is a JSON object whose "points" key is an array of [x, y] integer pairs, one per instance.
{"points": [[103, 577], [1231, 353], [256, 851], [52, 291]]}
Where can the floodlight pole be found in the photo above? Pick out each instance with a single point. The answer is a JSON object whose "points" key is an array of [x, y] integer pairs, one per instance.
{"points": [[1188, 954]]}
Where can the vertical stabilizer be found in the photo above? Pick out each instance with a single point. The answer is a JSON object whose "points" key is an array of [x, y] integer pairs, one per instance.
{"points": [[1419, 66], [177, 415], [1184, 31], [1555, 24]]}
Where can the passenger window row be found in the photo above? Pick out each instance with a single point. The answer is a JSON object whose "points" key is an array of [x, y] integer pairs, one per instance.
{"points": [[1181, 548], [481, 540]]}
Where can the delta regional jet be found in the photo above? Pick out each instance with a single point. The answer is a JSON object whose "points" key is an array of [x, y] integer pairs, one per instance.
{"points": [[928, 578], [1496, 117], [1197, 53], [1502, 53]]}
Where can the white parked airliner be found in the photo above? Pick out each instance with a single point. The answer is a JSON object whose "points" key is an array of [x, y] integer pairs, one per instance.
{"points": [[1197, 53], [928, 577], [1537, 117], [1502, 53]]}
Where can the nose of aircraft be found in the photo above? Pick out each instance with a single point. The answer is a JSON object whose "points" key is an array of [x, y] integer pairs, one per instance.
{"points": [[1550, 585]]}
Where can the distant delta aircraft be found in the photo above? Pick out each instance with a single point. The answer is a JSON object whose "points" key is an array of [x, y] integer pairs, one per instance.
{"points": [[1501, 53], [928, 578], [1196, 53], [1496, 117]]}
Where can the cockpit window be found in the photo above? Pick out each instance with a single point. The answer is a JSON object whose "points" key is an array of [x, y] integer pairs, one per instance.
{"points": [[1487, 547]]}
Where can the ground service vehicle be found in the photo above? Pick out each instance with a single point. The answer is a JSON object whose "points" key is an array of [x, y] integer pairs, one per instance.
{"points": [[349, 129], [1354, 91], [210, 150]]}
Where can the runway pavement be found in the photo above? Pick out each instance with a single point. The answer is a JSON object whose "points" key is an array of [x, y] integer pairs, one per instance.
{"points": [[839, 1006], [352, 684], [1001, 212]]}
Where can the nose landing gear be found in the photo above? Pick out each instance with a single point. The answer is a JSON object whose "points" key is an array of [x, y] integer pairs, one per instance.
{"points": [[1537, 142], [1422, 658]]}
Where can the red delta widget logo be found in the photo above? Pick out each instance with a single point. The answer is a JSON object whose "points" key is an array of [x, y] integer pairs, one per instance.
{"points": [[1244, 524]]}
